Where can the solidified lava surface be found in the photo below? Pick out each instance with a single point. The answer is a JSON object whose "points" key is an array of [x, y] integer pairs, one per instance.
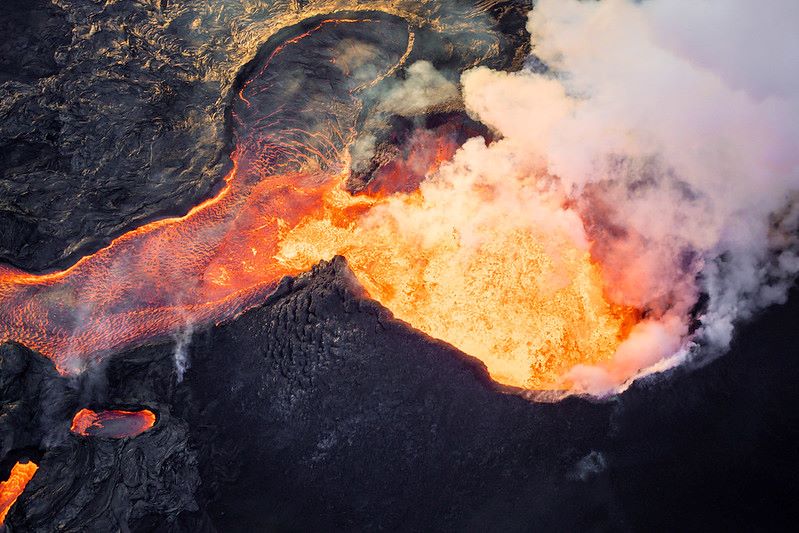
{"points": [[334, 415]]}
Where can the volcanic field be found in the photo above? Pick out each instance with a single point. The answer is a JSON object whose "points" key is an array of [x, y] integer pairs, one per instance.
{"points": [[418, 265]]}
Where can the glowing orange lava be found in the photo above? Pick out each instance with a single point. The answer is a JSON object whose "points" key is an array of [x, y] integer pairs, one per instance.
{"points": [[464, 263], [205, 266], [455, 257], [21, 474], [113, 424]]}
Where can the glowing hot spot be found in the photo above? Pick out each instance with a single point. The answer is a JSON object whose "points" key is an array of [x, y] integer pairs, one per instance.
{"points": [[11, 489], [114, 424]]}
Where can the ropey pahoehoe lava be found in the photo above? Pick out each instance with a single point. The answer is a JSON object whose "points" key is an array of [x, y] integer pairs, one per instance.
{"points": [[577, 194]]}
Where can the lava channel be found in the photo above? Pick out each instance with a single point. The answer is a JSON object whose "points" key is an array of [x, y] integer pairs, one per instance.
{"points": [[531, 304]]}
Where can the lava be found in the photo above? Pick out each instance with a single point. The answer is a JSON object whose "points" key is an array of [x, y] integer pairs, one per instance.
{"points": [[115, 424], [11, 488], [465, 262], [454, 257], [205, 266]]}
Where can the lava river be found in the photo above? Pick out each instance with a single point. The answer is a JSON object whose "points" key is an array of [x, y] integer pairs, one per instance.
{"points": [[528, 302]]}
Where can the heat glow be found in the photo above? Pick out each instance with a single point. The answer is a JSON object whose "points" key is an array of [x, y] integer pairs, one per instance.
{"points": [[113, 424], [10, 490], [457, 257], [479, 267]]}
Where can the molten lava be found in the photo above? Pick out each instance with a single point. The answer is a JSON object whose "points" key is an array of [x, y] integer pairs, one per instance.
{"points": [[112, 424], [205, 266], [469, 263], [10, 489], [457, 256]]}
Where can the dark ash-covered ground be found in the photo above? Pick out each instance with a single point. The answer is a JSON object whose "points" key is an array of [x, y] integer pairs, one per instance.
{"points": [[317, 410]]}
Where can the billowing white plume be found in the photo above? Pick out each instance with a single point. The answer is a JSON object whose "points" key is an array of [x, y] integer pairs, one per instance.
{"points": [[673, 126]]}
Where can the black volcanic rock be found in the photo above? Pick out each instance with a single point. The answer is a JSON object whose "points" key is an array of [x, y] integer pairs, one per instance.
{"points": [[85, 483], [104, 124], [343, 417], [96, 484], [318, 410], [32, 394]]}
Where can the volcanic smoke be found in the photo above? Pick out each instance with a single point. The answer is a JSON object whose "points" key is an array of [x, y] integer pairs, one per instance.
{"points": [[640, 169]]}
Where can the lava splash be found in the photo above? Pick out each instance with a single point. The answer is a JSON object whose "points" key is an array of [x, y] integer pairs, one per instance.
{"points": [[113, 424]]}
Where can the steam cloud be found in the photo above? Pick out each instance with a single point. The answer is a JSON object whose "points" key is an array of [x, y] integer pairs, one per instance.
{"points": [[181, 353], [672, 126], [422, 90]]}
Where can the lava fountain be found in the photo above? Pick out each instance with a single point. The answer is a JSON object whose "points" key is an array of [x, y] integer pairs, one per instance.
{"points": [[10, 489], [459, 256], [114, 424], [479, 266]]}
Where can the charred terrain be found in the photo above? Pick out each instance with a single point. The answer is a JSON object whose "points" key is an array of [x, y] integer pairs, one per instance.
{"points": [[166, 397], [318, 410]]}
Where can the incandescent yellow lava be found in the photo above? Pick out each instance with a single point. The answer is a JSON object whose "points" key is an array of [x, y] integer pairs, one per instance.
{"points": [[494, 269]]}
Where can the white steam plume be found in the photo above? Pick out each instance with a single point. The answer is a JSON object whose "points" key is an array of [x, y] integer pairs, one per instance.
{"points": [[423, 88], [674, 127], [181, 352]]}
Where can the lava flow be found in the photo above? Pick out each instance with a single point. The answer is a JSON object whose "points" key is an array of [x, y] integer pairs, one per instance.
{"points": [[10, 489], [479, 267], [114, 424], [205, 266], [456, 256]]}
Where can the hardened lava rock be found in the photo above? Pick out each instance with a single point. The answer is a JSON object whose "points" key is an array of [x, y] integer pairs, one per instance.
{"points": [[85, 483], [318, 410]]}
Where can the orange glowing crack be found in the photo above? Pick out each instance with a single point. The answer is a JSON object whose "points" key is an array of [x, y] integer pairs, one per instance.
{"points": [[11, 489], [115, 424]]}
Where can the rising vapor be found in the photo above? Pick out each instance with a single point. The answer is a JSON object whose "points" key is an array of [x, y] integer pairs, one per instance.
{"points": [[672, 127]]}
